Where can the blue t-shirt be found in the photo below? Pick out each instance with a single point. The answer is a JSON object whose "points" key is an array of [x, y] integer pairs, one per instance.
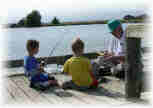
{"points": [[31, 66], [30, 63]]}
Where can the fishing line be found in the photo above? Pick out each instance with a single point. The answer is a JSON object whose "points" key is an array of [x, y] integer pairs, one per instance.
{"points": [[44, 62], [60, 41]]}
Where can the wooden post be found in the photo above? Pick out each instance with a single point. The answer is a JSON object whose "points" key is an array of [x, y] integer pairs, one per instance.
{"points": [[133, 72]]}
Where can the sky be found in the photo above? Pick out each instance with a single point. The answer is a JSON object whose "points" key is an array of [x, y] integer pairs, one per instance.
{"points": [[71, 10]]}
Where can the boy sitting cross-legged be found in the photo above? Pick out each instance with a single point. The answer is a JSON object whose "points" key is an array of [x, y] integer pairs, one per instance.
{"points": [[79, 68], [34, 71]]}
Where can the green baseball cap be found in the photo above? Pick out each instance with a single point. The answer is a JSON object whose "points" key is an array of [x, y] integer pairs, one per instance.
{"points": [[113, 24]]}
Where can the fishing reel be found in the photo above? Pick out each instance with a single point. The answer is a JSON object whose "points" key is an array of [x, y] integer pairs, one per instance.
{"points": [[42, 63]]}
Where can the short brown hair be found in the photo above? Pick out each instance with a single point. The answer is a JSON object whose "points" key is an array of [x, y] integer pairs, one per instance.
{"points": [[32, 44], [77, 45]]}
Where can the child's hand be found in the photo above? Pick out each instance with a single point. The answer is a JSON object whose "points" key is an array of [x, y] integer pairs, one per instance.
{"points": [[108, 58], [40, 68], [42, 63], [107, 54]]}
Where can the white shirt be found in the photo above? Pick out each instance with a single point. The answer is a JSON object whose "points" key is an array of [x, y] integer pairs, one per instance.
{"points": [[117, 46], [123, 44]]}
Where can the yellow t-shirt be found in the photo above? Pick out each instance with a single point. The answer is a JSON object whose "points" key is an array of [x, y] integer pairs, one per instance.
{"points": [[79, 68]]}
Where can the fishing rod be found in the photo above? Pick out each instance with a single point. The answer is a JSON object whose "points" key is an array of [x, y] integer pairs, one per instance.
{"points": [[44, 62], [104, 51]]}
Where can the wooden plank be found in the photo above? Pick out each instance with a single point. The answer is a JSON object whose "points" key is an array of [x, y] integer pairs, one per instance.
{"points": [[109, 97], [88, 99], [13, 71], [84, 96], [50, 60], [11, 88], [113, 91], [52, 99], [16, 92], [146, 96], [8, 98], [70, 98], [137, 31], [58, 96], [114, 84], [33, 95], [76, 94], [49, 94], [98, 97], [94, 96], [54, 59]]}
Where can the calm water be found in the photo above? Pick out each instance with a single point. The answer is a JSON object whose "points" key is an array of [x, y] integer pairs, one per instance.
{"points": [[96, 38]]}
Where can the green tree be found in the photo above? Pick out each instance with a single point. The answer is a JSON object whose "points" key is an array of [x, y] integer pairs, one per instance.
{"points": [[55, 21], [21, 22], [33, 19]]}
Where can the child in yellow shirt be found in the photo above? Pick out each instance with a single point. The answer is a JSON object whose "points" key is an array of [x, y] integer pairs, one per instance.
{"points": [[79, 68]]}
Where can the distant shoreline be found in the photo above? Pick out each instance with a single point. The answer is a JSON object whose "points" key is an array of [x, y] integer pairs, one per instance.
{"points": [[76, 23]]}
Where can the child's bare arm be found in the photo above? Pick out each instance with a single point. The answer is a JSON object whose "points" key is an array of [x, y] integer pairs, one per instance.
{"points": [[105, 54], [66, 68], [40, 68]]}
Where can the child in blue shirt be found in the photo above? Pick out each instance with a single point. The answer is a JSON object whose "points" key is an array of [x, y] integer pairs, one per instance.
{"points": [[34, 70]]}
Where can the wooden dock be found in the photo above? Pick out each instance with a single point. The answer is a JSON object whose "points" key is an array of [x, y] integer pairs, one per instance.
{"points": [[111, 92]]}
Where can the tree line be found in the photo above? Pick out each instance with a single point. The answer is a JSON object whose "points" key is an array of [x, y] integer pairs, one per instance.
{"points": [[33, 19]]}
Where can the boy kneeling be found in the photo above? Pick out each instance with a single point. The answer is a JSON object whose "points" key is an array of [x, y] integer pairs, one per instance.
{"points": [[79, 68]]}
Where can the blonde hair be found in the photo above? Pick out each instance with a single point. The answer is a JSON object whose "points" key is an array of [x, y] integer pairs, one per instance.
{"points": [[77, 45]]}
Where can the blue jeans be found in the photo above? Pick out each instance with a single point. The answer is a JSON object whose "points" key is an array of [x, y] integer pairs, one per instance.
{"points": [[39, 78]]}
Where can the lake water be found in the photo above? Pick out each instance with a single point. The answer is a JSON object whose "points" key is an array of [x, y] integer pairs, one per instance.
{"points": [[96, 38]]}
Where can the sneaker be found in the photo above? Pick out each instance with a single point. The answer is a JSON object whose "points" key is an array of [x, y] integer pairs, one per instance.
{"points": [[51, 77], [31, 85], [37, 86]]}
